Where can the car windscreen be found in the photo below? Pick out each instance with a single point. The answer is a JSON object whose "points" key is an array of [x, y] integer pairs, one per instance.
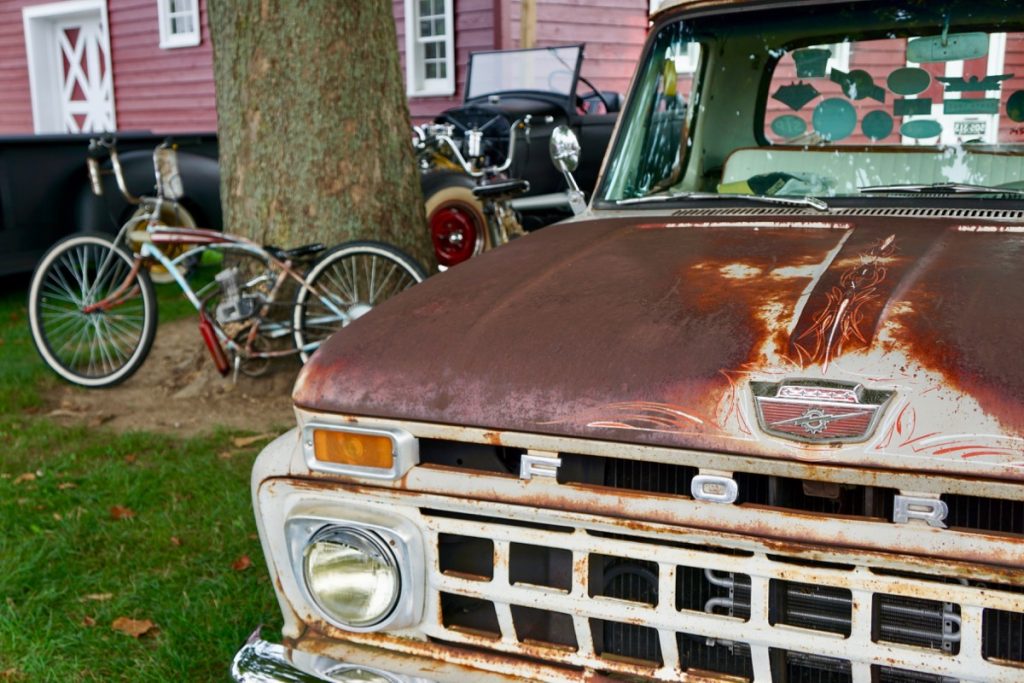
{"points": [[549, 70], [875, 98]]}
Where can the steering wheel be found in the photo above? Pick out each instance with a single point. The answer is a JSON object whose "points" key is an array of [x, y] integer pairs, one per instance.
{"points": [[593, 91]]}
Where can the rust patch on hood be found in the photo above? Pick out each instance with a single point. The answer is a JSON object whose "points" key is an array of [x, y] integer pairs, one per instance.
{"points": [[651, 332]]}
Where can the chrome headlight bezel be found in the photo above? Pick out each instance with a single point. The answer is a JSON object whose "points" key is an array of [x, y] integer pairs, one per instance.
{"points": [[398, 540], [368, 544]]}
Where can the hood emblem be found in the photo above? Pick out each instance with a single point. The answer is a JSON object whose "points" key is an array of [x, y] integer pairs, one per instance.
{"points": [[818, 411]]}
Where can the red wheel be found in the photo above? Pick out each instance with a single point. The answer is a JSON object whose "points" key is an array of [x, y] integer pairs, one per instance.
{"points": [[454, 233], [454, 216]]}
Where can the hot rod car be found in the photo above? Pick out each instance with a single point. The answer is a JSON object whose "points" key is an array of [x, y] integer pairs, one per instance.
{"points": [[756, 414], [541, 85]]}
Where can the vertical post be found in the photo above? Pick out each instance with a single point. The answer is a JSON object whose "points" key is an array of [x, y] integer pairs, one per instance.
{"points": [[527, 23]]}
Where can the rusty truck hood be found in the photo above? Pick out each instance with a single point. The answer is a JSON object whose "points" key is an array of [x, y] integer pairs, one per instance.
{"points": [[661, 330]]}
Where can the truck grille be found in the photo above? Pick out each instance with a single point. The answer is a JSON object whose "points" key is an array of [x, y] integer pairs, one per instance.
{"points": [[632, 606], [868, 501]]}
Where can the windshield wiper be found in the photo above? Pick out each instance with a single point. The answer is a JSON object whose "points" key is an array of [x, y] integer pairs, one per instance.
{"points": [[812, 202], [938, 188]]}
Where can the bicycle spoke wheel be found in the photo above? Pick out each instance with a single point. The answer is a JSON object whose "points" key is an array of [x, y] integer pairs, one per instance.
{"points": [[345, 284], [91, 348]]}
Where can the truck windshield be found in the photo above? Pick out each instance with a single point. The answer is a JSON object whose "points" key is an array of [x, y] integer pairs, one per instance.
{"points": [[880, 99]]}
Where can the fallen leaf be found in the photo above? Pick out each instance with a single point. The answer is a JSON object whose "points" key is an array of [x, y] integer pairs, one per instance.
{"points": [[225, 455], [253, 537], [130, 458], [56, 516], [243, 441], [241, 564], [63, 412], [136, 628], [97, 597], [175, 541], [64, 486], [121, 512], [88, 621], [28, 476]]}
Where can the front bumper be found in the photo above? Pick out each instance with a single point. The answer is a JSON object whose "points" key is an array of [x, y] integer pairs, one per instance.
{"points": [[260, 661]]}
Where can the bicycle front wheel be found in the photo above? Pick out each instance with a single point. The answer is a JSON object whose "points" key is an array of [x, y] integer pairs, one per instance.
{"points": [[346, 283], [85, 346]]}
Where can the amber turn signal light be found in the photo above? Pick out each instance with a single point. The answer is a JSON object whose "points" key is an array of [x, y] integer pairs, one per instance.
{"points": [[358, 450]]}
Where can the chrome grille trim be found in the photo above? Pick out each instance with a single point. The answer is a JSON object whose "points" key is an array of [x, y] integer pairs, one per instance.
{"points": [[757, 632]]}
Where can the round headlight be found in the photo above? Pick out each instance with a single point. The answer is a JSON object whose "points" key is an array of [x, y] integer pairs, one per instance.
{"points": [[352, 575]]}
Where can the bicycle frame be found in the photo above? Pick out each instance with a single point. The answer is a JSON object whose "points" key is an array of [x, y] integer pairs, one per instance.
{"points": [[204, 240]]}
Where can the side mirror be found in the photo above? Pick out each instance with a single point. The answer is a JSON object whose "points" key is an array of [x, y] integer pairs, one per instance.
{"points": [[565, 155], [564, 149]]}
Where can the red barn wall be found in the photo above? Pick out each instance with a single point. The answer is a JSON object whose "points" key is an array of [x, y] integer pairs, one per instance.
{"points": [[15, 98], [165, 91]]}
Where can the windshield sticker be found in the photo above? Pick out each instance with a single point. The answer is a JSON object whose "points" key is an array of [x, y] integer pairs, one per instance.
{"points": [[811, 63], [789, 126], [948, 48], [985, 106], [916, 107], [974, 84], [858, 85], [877, 125], [834, 119], [922, 128], [796, 95], [909, 81], [1015, 106]]}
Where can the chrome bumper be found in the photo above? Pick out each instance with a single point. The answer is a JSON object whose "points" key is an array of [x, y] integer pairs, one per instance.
{"points": [[260, 661]]}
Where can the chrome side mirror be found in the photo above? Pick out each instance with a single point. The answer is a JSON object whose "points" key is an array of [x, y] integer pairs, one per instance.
{"points": [[564, 149], [565, 155]]}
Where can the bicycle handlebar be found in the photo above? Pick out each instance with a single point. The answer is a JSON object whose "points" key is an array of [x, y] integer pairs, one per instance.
{"points": [[106, 146]]}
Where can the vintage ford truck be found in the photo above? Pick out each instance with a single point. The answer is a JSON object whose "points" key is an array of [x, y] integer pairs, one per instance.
{"points": [[756, 414]]}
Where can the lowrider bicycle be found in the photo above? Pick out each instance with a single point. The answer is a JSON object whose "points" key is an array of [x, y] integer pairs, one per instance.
{"points": [[756, 414]]}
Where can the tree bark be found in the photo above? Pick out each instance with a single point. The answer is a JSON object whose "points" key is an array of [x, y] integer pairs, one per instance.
{"points": [[313, 124]]}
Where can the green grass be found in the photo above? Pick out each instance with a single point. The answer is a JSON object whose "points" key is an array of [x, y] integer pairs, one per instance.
{"points": [[59, 541]]}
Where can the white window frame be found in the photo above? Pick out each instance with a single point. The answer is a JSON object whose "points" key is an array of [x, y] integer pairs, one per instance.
{"points": [[169, 40], [418, 85]]}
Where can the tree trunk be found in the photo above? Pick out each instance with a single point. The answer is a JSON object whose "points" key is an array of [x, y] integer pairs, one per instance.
{"points": [[313, 124]]}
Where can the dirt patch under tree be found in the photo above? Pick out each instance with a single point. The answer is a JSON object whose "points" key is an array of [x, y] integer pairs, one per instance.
{"points": [[178, 390]]}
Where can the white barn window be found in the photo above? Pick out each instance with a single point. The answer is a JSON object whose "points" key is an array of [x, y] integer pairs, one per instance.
{"points": [[429, 48], [179, 23]]}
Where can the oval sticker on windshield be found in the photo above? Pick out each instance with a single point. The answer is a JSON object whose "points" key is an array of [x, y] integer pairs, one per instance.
{"points": [[909, 81], [1015, 106], [926, 128], [877, 125], [789, 126], [834, 119]]}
